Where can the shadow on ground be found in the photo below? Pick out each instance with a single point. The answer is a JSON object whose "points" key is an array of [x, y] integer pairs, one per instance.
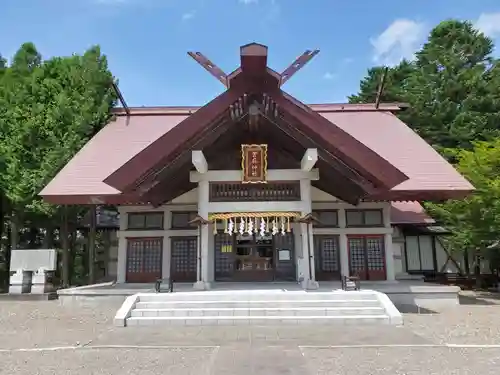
{"points": [[414, 309], [479, 299]]}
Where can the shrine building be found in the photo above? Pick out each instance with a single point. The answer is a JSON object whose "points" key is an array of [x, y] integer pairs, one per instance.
{"points": [[258, 186]]}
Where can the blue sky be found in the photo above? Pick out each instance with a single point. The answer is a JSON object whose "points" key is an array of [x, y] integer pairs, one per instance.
{"points": [[146, 40]]}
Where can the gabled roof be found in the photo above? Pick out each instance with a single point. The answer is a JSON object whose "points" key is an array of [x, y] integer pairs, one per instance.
{"points": [[359, 171], [381, 131], [148, 153]]}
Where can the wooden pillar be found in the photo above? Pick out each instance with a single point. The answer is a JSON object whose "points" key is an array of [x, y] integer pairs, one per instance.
{"points": [[92, 243], [64, 237], [307, 264], [203, 262]]}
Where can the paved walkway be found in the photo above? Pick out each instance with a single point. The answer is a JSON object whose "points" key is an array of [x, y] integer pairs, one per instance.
{"points": [[45, 338]]}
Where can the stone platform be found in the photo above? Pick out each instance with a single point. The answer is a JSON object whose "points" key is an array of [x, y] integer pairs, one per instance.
{"points": [[406, 293]]}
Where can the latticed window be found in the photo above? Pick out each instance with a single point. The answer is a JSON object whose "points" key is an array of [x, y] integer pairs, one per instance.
{"points": [[183, 258], [144, 259], [326, 218], [367, 257], [145, 220], [181, 220], [364, 218], [329, 255]]}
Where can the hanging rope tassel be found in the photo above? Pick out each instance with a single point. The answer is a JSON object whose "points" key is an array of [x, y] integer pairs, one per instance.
{"points": [[249, 226], [242, 226]]}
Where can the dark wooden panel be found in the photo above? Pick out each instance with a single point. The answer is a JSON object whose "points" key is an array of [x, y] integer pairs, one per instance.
{"points": [[367, 257], [327, 257], [183, 259], [224, 256], [284, 268], [273, 191], [144, 260]]}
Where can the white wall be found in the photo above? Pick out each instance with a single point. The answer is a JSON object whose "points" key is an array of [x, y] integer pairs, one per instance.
{"points": [[319, 200], [185, 202], [322, 200]]}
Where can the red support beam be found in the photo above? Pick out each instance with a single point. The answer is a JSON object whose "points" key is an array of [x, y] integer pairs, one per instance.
{"points": [[171, 188], [165, 148], [171, 171], [298, 64], [341, 144], [210, 67]]}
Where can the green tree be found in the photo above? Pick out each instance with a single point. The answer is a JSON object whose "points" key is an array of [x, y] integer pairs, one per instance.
{"points": [[52, 108], [474, 221], [3, 64], [452, 87], [393, 86], [454, 91], [48, 111]]}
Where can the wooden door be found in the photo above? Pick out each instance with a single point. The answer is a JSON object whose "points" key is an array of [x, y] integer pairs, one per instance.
{"points": [[326, 257], [224, 256], [284, 254], [183, 260], [367, 256], [144, 259]]}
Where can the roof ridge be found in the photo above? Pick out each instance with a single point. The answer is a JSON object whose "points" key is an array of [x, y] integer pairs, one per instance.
{"points": [[324, 108]]}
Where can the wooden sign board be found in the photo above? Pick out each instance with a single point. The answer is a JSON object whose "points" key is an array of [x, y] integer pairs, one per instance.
{"points": [[254, 163]]}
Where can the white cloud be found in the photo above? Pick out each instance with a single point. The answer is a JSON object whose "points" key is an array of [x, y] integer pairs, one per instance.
{"points": [[248, 2], [398, 41], [329, 76], [489, 24], [187, 16], [348, 60]]}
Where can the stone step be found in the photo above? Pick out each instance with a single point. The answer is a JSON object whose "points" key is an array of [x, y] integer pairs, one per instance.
{"points": [[268, 311], [259, 320], [261, 295], [257, 303]]}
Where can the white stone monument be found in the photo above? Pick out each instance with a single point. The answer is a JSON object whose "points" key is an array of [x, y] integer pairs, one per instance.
{"points": [[30, 269]]}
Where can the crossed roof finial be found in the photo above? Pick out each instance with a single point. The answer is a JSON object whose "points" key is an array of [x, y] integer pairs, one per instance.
{"points": [[254, 61]]}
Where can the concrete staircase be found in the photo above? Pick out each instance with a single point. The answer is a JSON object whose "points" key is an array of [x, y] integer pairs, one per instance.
{"points": [[258, 307]]}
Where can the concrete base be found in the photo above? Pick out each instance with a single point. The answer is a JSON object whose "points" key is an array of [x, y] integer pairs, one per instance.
{"points": [[423, 295], [20, 289], [41, 288], [310, 285], [28, 297], [202, 285]]}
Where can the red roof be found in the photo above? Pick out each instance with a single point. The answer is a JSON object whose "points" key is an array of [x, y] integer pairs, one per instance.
{"points": [[409, 213], [392, 139], [381, 131], [108, 150]]}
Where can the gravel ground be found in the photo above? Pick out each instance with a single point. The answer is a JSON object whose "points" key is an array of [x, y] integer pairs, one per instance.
{"points": [[471, 325], [43, 337], [407, 361]]}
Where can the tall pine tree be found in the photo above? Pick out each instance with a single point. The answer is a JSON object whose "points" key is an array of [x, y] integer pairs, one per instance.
{"points": [[452, 87]]}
